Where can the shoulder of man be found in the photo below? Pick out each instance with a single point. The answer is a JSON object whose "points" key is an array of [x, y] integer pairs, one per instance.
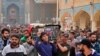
{"points": [[39, 42], [79, 54], [98, 44], [24, 43], [7, 47], [21, 46], [96, 54], [0, 38]]}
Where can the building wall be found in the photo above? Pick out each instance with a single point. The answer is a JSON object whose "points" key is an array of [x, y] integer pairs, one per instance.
{"points": [[69, 3], [74, 7], [42, 12]]}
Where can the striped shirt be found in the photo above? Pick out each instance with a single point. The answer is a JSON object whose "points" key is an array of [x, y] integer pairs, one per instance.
{"points": [[8, 51]]}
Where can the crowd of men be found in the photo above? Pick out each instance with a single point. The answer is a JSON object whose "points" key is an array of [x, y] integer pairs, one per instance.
{"points": [[23, 41]]}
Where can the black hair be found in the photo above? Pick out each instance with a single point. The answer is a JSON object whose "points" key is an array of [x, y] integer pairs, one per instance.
{"points": [[42, 34], [72, 33], [26, 30], [82, 31], [86, 42], [92, 34], [31, 37], [4, 29], [15, 35]]}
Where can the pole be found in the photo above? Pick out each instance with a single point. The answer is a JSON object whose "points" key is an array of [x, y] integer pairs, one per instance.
{"points": [[93, 23], [73, 23], [1, 15], [57, 12], [27, 9]]}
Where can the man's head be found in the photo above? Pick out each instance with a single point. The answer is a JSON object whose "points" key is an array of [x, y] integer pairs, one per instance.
{"points": [[26, 33], [15, 40], [38, 34], [15, 30], [82, 33], [64, 37], [71, 35], [44, 37], [92, 37], [29, 40], [84, 44], [5, 33]]}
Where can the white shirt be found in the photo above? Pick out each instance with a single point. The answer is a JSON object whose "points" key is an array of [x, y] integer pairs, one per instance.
{"points": [[8, 49]]}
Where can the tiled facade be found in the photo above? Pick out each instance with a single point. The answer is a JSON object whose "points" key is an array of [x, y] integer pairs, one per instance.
{"points": [[28, 11]]}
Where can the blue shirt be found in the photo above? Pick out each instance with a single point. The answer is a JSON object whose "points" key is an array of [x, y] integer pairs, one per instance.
{"points": [[45, 49], [2, 43], [96, 46]]}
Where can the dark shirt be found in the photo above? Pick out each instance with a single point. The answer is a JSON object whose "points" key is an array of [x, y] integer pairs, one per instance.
{"points": [[15, 54], [5, 43], [60, 53]]}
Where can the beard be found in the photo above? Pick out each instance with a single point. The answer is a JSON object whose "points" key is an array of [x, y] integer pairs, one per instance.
{"points": [[5, 37], [14, 44], [30, 43], [93, 41]]}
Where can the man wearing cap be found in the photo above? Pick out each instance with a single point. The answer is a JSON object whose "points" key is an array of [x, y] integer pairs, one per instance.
{"points": [[14, 48], [86, 50]]}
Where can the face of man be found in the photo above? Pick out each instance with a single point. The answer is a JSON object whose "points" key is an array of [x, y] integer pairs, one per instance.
{"points": [[14, 41], [71, 36], [29, 40], [5, 34], [15, 30], [81, 47], [38, 34], [26, 33], [82, 34], [93, 38], [45, 38], [63, 39]]}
